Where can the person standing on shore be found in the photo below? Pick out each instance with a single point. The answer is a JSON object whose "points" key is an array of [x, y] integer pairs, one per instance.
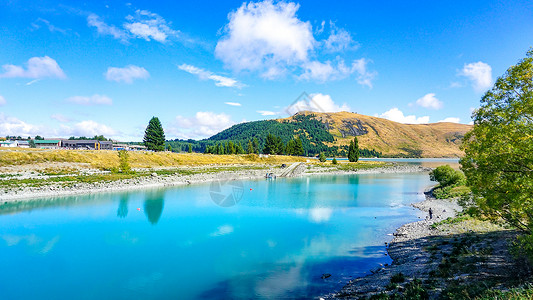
{"points": [[430, 213]]}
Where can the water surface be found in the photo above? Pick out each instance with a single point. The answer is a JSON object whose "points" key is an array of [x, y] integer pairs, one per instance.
{"points": [[176, 243]]}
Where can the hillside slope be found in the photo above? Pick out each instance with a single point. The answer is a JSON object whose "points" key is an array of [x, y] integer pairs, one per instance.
{"points": [[392, 138]]}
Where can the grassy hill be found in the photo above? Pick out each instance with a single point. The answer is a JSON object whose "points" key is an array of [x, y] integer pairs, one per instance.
{"points": [[332, 132], [391, 138]]}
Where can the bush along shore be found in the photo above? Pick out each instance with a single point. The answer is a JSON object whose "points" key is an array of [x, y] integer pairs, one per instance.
{"points": [[449, 256]]}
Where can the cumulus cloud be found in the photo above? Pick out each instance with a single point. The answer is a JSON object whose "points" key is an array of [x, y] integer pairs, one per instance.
{"points": [[451, 120], [126, 74], [429, 101], [102, 28], [208, 75], [316, 102], [233, 103], [396, 115], [203, 124], [265, 33], [91, 100], [2, 100], [36, 67], [13, 126], [270, 39], [266, 112], [480, 74]]}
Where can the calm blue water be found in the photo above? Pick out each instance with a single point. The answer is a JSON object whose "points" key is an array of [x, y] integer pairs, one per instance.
{"points": [[176, 243]]}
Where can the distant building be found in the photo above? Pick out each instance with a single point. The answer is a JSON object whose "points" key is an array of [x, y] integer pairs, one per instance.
{"points": [[8, 144], [47, 144], [128, 147], [23, 144], [87, 144]]}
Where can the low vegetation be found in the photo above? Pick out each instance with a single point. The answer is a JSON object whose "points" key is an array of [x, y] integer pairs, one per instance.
{"points": [[451, 183]]}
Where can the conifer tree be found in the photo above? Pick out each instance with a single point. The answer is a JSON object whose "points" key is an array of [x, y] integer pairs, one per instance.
{"points": [[154, 136]]}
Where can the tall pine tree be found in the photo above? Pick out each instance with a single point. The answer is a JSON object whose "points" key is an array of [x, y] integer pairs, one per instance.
{"points": [[154, 136]]}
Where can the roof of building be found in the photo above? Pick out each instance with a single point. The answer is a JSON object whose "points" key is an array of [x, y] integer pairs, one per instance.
{"points": [[46, 141]]}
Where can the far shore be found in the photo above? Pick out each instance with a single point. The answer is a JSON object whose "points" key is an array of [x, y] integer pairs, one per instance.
{"points": [[157, 181]]}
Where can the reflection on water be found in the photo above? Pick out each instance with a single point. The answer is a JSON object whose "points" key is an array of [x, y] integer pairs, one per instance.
{"points": [[276, 243], [153, 205]]}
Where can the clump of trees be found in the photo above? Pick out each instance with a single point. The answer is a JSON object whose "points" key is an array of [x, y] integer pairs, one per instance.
{"points": [[154, 135], [353, 150], [451, 182], [96, 137], [498, 161]]}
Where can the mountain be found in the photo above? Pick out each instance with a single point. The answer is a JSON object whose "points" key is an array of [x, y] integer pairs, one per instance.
{"points": [[392, 138], [332, 132]]}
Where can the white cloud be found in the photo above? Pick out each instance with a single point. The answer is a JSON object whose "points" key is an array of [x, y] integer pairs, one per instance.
{"points": [[126, 74], [364, 77], [148, 25], [14, 126], [266, 112], [317, 102], [208, 75], [89, 128], [429, 101], [451, 120], [396, 115], [267, 37], [339, 40], [37, 25], [105, 29], [91, 100], [203, 124], [233, 103], [37, 67], [264, 35], [322, 72], [480, 74], [2, 100], [61, 118]]}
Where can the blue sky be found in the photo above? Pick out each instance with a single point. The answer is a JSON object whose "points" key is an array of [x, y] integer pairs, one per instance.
{"points": [[107, 67]]}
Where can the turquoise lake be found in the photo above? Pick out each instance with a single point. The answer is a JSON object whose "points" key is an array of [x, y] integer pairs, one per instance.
{"points": [[177, 243]]}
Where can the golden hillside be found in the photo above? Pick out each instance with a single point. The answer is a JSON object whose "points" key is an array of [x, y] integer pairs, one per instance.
{"points": [[392, 138]]}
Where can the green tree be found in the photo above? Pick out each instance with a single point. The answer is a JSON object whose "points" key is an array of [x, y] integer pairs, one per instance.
{"points": [[169, 148], [446, 176], [298, 147], [154, 136], [239, 149], [498, 161], [38, 137], [250, 148], [353, 150], [256, 146], [32, 143], [290, 148], [273, 145], [322, 157], [189, 149], [123, 165], [334, 161]]}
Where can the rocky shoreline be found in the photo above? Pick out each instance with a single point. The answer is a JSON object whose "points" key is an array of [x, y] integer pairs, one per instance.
{"points": [[155, 181]]}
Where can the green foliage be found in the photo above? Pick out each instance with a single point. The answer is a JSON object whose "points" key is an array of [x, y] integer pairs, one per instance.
{"points": [[189, 149], [124, 165], [334, 161], [32, 143], [447, 176], [498, 160], [169, 148], [39, 138], [273, 145], [448, 192], [154, 136], [397, 278], [322, 157], [353, 150], [250, 148]]}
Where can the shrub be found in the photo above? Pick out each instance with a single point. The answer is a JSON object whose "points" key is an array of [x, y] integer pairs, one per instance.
{"points": [[447, 176]]}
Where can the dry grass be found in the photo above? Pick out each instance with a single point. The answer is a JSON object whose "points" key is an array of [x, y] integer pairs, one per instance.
{"points": [[388, 137], [105, 159]]}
